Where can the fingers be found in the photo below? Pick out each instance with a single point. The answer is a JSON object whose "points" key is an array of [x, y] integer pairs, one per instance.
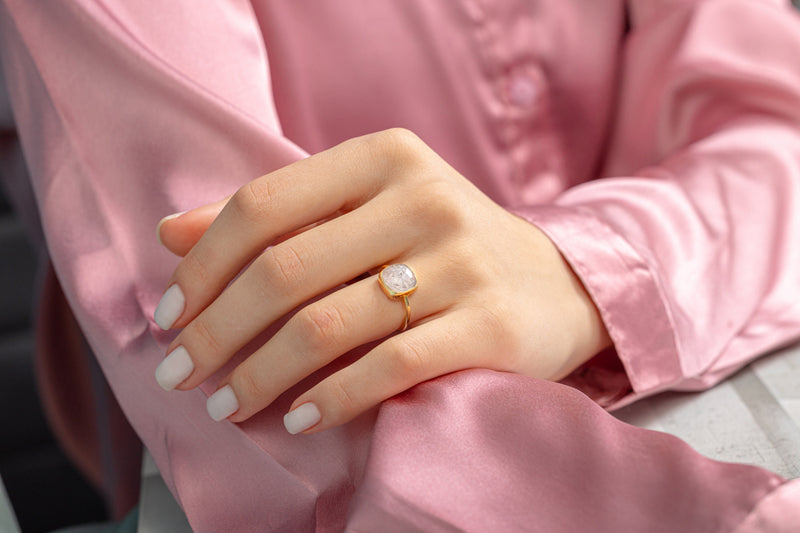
{"points": [[324, 330], [294, 234], [181, 231], [416, 355], [312, 338], [338, 179], [281, 279]]}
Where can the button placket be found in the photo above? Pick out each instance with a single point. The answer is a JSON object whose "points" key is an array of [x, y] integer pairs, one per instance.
{"points": [[524, 87], [523, 91]]}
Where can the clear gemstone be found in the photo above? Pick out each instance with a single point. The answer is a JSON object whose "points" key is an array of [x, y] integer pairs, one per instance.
{"points": [[398, 278]]}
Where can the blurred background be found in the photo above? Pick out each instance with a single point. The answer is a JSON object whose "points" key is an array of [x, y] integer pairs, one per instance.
{"points": [[44, 488]]}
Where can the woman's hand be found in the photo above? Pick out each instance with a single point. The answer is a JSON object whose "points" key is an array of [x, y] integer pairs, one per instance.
{"points": [[493, 290]]}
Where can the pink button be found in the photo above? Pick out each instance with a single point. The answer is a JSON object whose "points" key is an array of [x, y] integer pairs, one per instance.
{"points": [[522, 90]]}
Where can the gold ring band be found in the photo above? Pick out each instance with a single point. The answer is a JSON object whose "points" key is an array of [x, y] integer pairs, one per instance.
{"points": [[399, 281], [408, 314]]}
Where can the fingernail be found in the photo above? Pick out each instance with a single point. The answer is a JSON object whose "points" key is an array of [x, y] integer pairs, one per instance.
{"points": [[170, 308], [301, 418], [175, 368], [222, 403], [160, 222]]}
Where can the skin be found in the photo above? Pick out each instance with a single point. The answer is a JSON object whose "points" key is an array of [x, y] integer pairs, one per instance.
{"points": [[494, 291]]}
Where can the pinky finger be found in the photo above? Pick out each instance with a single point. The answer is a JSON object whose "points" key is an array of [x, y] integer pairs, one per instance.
{"points": [[438, 346]]}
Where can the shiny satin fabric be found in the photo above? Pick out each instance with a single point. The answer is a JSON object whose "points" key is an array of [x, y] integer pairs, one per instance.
{"points": [[129, 111]]}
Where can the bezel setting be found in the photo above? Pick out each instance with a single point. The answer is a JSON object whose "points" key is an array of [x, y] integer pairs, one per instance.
{"points": [[397, 280]]}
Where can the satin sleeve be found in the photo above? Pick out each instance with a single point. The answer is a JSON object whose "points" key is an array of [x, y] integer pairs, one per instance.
{"points": [[688, 242], [127, 112]]}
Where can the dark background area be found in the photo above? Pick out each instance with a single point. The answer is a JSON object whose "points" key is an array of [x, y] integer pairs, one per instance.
{"points": [[44, 488]]}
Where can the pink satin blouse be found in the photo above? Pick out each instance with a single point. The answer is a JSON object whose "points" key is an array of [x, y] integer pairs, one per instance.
{"points": [[657, 142]]}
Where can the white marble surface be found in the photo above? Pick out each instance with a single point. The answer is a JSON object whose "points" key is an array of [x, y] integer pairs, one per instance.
{"points": [[753, 417], [158, 510], [8, 521]]}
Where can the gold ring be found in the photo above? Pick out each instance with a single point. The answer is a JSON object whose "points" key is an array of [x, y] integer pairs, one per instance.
{"points": [[399, 281]]}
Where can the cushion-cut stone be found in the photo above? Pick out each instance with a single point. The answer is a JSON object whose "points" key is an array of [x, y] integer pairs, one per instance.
{"points": [[399, 279]]}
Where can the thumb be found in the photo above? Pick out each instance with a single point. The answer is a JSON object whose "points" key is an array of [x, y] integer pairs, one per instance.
{"points": [[181, 231]]}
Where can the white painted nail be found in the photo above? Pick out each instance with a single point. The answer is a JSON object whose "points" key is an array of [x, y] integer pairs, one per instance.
{"points": [[170, 308], [222, 403], [160, 222], [301, 418], [175, 368]]}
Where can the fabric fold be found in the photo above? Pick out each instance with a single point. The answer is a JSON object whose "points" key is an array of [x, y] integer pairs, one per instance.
{"points": [[129, 112]]}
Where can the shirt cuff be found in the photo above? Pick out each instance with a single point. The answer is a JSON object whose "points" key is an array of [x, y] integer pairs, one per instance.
{"points": [[626, 291]]}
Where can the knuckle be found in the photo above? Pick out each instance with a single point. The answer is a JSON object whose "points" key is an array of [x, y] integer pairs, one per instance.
{"points": [[255, 200], [400, 146], [400, 137], [203, 336], [439, 207], [284, 267], [249, 387], [344, 403], [408, 359], [493, 322], [193, 271], [320, 326]]}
